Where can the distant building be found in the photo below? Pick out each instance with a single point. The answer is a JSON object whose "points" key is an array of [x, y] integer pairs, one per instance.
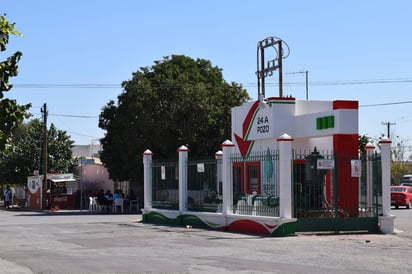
{"points": [[93, 175], [92, 150]]}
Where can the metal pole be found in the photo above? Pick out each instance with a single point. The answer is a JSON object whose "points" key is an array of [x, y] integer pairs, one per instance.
{"points": [[307, 85], [44, 111], [262, 63], [81, 185], [280, 56], [257, 69]]}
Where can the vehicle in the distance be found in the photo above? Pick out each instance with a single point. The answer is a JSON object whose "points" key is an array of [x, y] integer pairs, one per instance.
{"points": [[406, 180], [401, 196], [407, 177]]}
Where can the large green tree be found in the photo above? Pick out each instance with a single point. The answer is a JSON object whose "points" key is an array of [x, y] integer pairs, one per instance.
{"points": [[177, 101], [27, 153], [11, 114]]}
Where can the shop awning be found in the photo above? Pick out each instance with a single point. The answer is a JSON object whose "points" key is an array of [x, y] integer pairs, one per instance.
{"points": [[63, 180]]}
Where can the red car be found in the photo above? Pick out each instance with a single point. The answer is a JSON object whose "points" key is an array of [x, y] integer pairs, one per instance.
{"points": [[401, 196]]}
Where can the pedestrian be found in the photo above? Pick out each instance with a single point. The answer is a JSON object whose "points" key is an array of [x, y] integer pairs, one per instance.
{"points": [[7, 194]]}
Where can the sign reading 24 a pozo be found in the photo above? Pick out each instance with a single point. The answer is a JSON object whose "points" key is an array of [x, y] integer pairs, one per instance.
{"points": [[262, 125], [251, 122]]}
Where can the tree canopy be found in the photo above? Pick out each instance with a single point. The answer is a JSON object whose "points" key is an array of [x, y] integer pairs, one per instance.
{"points": [[11, 114], [26, 154], [177, 101]]}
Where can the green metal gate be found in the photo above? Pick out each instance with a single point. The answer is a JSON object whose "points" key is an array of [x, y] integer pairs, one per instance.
{"points": [[204, 188], [165, 185], [323, 200]]}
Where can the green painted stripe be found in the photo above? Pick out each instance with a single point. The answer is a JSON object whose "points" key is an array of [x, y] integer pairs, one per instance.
{"points": [[281, 102], [251, 123], [250, 149]]}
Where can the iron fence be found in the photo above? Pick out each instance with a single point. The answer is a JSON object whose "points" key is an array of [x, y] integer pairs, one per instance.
{"points": [[336, 199], [204, 185], [165, 185], [256, 183]]}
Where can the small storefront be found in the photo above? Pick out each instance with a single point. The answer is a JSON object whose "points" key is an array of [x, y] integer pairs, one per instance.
{"points": [[62, 190]]}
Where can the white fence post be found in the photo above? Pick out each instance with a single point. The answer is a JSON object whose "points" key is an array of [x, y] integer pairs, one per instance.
{"points": [[147, 179], [370, 149], [285, 176], [183, 156], [387, 220], [227, 148], [218, 157]]}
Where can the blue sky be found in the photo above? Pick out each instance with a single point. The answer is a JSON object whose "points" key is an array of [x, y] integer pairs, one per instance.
{"points": [[77, 53]]}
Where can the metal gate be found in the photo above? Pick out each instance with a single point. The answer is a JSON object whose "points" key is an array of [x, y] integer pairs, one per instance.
{"points": [[204, 187], [335, 199], [165, 185]]}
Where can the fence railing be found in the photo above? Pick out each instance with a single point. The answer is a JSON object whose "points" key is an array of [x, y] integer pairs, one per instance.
{"points": [[321, 193], [204, 186], [316, 193], [165, 185], [256, 183]]}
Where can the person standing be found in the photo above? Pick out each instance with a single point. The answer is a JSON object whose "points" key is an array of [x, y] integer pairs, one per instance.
{"points": [[7, 194]]}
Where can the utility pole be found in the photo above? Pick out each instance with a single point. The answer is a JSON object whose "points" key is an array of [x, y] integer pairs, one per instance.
{"points": [[307, 85], [44, 193], [307, 81], [388, 124]]}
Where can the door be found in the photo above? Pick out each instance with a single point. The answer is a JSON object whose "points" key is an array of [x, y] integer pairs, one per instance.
{"points": [[246, 177]]}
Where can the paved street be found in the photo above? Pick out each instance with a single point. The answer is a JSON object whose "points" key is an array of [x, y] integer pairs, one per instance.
{"points": [[33, 242]]}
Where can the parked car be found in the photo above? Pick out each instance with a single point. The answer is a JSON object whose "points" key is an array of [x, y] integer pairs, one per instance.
{"points": [[407, 177], [401, 196], [406, 184]]}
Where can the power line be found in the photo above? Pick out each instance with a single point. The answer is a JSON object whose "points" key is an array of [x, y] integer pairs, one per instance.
{"points": [[387, 104], [96, 117], [312, 83], [341, 83], [81, 134], [71, 116], [74, 116], [81, 85]]}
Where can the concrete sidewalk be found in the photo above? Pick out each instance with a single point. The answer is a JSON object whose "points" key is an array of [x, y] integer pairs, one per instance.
{"points": [[34, 242]]}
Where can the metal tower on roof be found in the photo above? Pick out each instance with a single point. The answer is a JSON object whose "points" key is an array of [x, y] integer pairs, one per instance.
{"points": [[265, 68]]}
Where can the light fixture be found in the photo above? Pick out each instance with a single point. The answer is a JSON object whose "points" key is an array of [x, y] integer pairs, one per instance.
{"points": [[262, 103]]}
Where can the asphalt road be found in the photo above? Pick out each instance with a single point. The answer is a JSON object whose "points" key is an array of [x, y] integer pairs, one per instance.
{"points": [[33, 242], [403, 222]]}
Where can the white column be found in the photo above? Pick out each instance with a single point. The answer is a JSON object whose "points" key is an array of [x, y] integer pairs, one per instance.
{"points": [[227, 186], [218, 157], [387, 220], [147, 178], [183, 156], [285, 176], [386, 176], [370, 148]]}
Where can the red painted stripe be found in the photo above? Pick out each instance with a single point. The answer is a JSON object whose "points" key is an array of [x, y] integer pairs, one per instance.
{"points": [[340, 104], [284, 139], [299, 161], [248, 119]]}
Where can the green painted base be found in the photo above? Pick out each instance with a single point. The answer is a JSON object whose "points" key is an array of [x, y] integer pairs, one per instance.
{"points": [[285, 230], [239, 225], [157, 218]]}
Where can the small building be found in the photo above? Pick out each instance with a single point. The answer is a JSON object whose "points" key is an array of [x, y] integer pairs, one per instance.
{"points": [[294, 166], [58, 193], [93, 176]]}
